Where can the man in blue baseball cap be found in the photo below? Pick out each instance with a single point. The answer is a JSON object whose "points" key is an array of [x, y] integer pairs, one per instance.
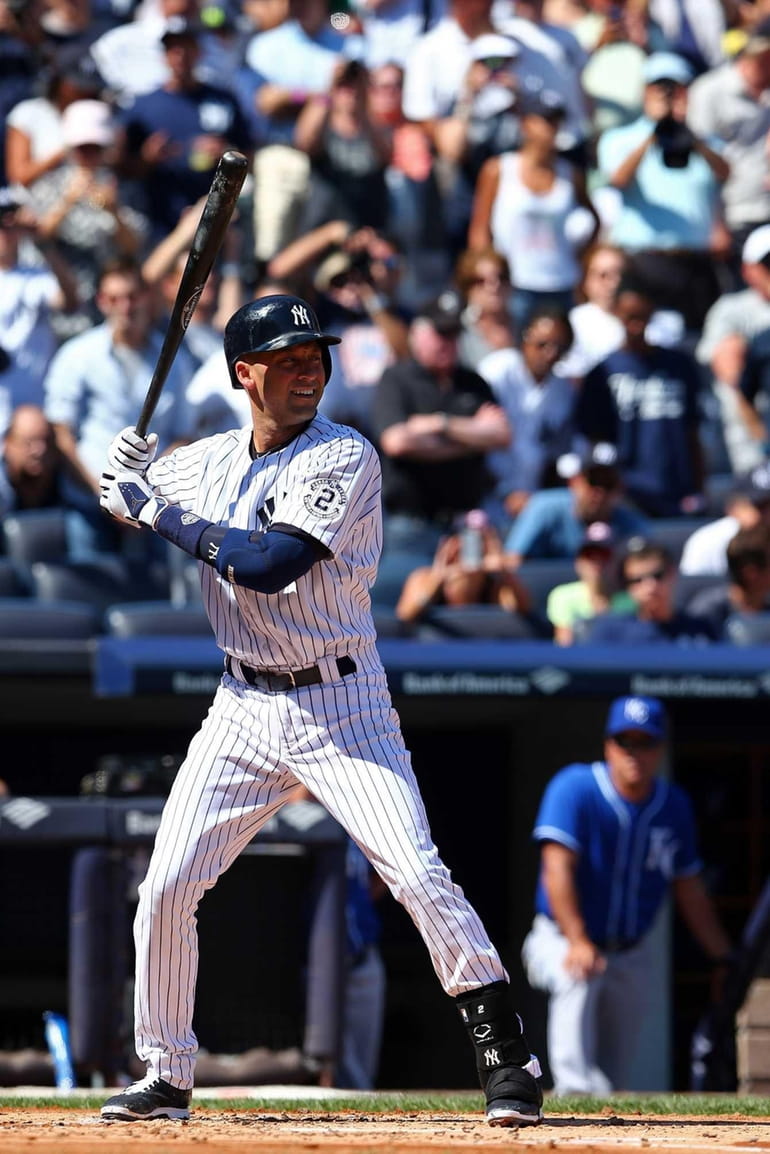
{"points": [[615, 838]]}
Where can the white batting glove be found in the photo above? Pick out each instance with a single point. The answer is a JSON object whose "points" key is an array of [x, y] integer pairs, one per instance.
{"points": [[130, 451], [127, 496]]}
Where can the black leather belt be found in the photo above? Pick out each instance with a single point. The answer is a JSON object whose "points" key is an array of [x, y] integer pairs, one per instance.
{"points": [[293, 679]]}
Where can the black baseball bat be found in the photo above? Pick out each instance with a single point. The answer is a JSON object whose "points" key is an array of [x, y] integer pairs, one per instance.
{"points": [[225, 186]]}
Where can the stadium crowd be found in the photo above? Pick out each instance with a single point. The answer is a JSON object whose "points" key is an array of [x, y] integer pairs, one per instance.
{"points": [[542, 229]]}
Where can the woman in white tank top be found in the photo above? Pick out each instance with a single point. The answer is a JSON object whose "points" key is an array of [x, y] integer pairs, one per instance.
{"points": [[533, 208]]}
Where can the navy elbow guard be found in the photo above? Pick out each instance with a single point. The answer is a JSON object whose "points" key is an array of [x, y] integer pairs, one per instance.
{"points": [[265, 562]]}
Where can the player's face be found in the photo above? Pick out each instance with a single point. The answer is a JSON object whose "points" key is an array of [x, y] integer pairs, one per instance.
{"points": [[633, 758], [286, 385]]}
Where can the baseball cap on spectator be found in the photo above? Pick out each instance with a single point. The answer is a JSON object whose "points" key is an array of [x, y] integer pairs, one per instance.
{"points": [[598, 464], [178, 27], [444, 313], [756, 247], [754, 486], [758, 40], [494, 49], [87, 122], [667, 66], [337, 264], [645, 714], [542, 102], [598, 535]]}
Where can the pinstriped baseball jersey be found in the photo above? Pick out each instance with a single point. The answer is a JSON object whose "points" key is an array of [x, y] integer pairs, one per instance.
{"points": [[325, 482]]}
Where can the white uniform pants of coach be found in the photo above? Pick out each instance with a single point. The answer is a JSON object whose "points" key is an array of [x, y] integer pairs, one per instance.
{"points": [[593, 1025], [342, 740]]}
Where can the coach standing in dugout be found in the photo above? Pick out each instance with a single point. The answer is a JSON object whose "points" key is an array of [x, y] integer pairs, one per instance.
{"points": [[615, 837], [285, 517]]}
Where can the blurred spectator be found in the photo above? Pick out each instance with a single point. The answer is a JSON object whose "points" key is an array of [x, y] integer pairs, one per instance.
{"points": [[34, 137], [596, 589], [729, 104], [72, 26], [464, 574], [131, 58], [482, 279], [746, 507], [554, 521], [355, 286], [81, 206], [434, 422], [597, 329], [98, 380], [644, 399], [33, 475], [730, 323], [669, 181], [348, 152], [649, 574], [539, 405], [754, 387], [747, 589], [29, 294], [532, 206], [285, 65], [20, 34], [392, 27], [222, 294], [175, 134], [615, 37], [415, 214], [442, 79], [693, 29]]}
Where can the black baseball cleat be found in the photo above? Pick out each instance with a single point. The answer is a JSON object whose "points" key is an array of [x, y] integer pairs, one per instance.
{"points": [[150, 1098], [514, 1097]]}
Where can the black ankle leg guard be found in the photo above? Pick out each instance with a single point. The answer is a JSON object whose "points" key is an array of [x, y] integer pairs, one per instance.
{"points": [[507, 1070], [494, 1029]]}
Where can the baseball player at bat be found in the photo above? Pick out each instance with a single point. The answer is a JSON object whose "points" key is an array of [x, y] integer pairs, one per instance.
{"points": [[615, 838], [285, 519]]}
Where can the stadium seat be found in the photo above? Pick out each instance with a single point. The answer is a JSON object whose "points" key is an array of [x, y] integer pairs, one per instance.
{"points": [[98, 583], [35, 535], [748, 628], [689, 584], [482, 622], [539, 576], [394, 568], [51, 620], [674, 531], [388, 625], [156, 619], [10, 584]]}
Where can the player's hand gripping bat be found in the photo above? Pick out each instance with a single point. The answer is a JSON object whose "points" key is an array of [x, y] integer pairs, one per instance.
{"points": [[226, 184]]}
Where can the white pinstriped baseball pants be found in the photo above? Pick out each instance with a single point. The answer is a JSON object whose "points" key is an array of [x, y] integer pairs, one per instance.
{"points": [[342, 740]]}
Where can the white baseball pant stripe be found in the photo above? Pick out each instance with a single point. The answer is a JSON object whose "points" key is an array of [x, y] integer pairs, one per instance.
{"points": [[342, 741]]}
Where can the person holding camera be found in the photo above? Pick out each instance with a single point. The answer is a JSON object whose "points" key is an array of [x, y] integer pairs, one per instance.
{"points": [[348, 152], [669, 181]]}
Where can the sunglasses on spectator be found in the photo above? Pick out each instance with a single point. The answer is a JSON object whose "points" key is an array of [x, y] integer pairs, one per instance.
{"points": [[653, 575], [635, 741], [493, 278], [495, 63]]}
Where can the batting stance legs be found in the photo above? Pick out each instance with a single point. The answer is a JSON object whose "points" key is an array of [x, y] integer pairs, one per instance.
{"points": [[223, 795]]}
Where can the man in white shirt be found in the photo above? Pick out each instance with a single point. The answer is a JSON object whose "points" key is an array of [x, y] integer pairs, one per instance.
{"points": [[748, 505]]}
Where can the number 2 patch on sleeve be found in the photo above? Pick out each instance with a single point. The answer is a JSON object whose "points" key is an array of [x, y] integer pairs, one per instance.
{"points": [[325, 498]]}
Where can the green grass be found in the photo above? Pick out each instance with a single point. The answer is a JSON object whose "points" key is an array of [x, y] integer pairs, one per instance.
{"points": [[450, 1102]]}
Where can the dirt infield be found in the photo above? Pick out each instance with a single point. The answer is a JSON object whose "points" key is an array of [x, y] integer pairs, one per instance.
{"points": [[48, 1130]]}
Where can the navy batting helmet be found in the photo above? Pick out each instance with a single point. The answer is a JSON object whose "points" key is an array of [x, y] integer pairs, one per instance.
{"points": [[274, 322]]}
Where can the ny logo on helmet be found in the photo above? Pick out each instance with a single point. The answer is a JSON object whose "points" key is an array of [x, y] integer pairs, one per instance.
{"points": [[300, 314]]}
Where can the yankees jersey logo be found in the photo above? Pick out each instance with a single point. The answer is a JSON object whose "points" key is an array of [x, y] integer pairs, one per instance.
{"points": [[301, 318]]}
